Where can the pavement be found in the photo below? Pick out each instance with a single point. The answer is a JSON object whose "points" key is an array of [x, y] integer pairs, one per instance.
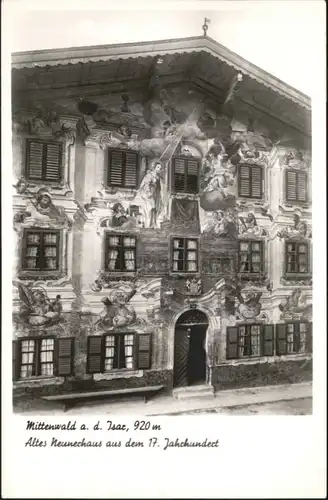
{"points": [[287, 399]]}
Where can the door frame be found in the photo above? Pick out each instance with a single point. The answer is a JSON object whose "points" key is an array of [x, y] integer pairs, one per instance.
{"points": [[208, 337]]}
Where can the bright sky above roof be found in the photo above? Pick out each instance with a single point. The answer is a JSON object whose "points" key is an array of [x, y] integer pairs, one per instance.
{"points": [[279, 37]]}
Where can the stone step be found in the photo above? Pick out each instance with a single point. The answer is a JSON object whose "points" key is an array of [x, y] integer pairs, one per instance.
{"points": [[197, 391]]}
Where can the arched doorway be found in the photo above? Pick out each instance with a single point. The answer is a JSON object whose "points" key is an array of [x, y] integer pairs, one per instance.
{"points": [[189, 349]]}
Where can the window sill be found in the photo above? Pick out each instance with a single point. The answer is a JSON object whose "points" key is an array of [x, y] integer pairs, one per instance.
{"points": [[117, 374], [298, 276], [39, 381], [266, 359], [40, 275]]}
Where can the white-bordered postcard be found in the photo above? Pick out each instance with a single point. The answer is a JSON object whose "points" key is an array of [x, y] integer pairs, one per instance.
{"points": [[163, 249]]}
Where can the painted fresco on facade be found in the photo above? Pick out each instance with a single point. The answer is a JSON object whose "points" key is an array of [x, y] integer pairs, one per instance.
{"points": [[163, 202]]}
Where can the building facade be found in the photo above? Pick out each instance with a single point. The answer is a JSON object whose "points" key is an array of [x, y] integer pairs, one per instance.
{"points": [[162, 220]]}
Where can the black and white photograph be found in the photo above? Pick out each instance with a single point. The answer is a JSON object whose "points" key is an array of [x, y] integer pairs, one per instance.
{"points": [[162, 199]]}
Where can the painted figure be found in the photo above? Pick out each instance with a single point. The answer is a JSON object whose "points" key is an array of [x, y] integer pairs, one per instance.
{"points": [[249, 225], [150, 192], [250, 306], [116, 311], [299, 229], [219, 225], [44, 209], [215, 194], [37, 309]]}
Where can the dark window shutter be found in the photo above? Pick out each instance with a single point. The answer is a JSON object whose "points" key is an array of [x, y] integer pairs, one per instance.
{"points": [[65, 356], [244, 181], [192, 176], [144, 351], [291, 183], [44, 160], [34, 160], [301, 186], [53, 162], [309, 338], [178, 178], [281, 337], [232, 342], [268, 340], [95, 354], [256, 182], [15, 358], [115, 168], [131, 165]]}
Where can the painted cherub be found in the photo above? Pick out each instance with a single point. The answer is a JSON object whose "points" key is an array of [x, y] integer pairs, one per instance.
{"points": [[37, 309]]}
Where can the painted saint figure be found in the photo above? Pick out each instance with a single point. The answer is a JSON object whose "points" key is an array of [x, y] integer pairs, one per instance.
{"points": [[299, 229], [249, 225], [37, 309], [150, 192], [117, 312]]}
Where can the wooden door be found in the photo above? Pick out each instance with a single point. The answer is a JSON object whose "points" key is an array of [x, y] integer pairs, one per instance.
{"points": [[181, 353]]}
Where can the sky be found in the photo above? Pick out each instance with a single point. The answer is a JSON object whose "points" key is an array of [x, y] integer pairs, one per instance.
{"points": [[279, 37]]}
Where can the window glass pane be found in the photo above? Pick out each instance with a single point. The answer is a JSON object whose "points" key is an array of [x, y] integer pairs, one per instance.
{"points": [[290, 247], [31, 263], [50, 239], [256, 246], [244, 247], [256, 268], [178, 243], [128, 241], [302, 249], [255, 329], [290, 328], [192, 244], [26, 371], [191, 256], [191, 266], [33, 238], [113, 241], [47, 369], [176, 255], [27, 345], [32, 251], [110, 340], [303, 327]]}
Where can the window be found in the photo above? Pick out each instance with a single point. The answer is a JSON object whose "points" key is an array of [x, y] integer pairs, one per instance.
{"points": [[185, 174], [244, 341], [297, 258], [120, 253], [250, 181], [294, 338], [37, 357], [41, 250], [122, 168], [185, 255], [119, 351], [250, 256], [296, 186], [43, 161]]}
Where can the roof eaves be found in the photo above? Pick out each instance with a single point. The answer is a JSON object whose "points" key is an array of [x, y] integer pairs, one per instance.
{"points": [[76, 55]]}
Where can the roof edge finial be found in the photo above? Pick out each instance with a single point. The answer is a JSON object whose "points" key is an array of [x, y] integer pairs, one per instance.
{"points": [[205, 25]]}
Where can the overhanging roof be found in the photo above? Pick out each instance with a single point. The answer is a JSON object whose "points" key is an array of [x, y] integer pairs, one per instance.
{"points": [[75, 55]]}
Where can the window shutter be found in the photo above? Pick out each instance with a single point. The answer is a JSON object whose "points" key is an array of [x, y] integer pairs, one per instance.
{"points": [[309, 338], [65, 353], [15, 358], [301, 186], [256, 182], [192, 176], [268, 338], [244, 181], [44, 160], [144, 351], [95, 354], [115, 168], [291, 183], [53, 162], [281, 334], [34, 160], [232, 342], [131, 164], [178, 174]]}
